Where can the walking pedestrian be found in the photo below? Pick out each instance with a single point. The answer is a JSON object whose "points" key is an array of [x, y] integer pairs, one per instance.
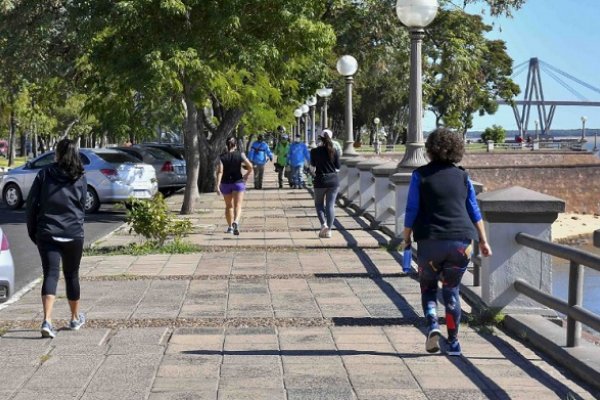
{"points": [[326, 160], [55, 215], [281, 151], [298, 155], [259, 155], [443, 217], [232, 184]]}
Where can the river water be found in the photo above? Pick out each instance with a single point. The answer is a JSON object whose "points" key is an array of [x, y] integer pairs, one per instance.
{"points": [[591, 281]]}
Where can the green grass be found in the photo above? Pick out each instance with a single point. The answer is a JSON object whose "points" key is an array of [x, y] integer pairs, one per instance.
{"points": [[17, 162], [486, 320], [135, 249], [3, 331]]}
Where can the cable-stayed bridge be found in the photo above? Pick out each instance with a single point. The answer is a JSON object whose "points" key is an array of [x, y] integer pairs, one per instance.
{"points": [[534, 94]]}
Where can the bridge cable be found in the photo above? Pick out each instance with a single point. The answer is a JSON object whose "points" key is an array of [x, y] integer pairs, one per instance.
{"points": [[582, 83], [565, 84]]}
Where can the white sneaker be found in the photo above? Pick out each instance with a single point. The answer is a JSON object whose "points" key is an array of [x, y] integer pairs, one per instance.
{"points": [[323, 231], [328, 233]]}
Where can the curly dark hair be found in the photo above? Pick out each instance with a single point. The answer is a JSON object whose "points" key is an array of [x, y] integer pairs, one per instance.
{"points": [[445, 146]]}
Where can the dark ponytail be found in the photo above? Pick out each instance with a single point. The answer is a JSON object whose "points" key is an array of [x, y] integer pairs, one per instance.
{"points": [[328, 143], [67, 159], [231, 143]]}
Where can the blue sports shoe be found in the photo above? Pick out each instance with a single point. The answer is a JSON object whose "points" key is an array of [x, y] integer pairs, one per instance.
{"points": [[432, 344], [47, 330], [453, 348], [76, 324]]}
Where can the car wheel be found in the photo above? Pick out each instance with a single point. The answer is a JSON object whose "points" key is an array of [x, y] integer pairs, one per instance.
{"points": [[12, 196], [92, 203]]}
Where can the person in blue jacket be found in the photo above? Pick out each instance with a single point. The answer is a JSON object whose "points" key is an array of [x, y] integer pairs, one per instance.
{"points": [[298, 155], [259, 155], [443, 217]]}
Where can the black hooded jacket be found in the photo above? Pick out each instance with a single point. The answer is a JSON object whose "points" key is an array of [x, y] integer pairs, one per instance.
{"points": [[56, 205]]}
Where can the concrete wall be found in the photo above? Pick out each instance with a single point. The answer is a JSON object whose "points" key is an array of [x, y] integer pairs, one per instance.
{"points": [[571, 176]]}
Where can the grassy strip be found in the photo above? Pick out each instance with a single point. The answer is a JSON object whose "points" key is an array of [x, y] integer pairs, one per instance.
{"points": [[18, 161], [135, 249]]}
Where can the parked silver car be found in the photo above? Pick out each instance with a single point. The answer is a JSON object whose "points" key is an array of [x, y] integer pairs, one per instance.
{"points": [[7, 269], [112, 177], [170, 170]]}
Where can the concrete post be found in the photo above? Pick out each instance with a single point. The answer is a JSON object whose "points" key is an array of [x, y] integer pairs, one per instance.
{"points": [[343, 176], [536, 145], [507, 212], [402, 181], [366, 185], [385, 193], [353, 188], [490, 146]]}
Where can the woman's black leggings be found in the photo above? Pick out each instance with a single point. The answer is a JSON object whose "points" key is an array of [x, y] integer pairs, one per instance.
{"points": [[51, 252]]}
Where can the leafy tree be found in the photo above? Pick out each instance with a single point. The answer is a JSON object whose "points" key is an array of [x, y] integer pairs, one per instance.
{"points": [[233, 56], [495, 133], [468, 72]]}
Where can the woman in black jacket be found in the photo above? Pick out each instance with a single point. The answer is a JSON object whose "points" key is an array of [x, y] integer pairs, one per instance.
{"points": [[55, 214], [326, 161]]}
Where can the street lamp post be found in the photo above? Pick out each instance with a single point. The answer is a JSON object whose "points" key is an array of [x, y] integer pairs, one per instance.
{"points": [[376, 142], [324, 93], [583, 121], [347, 66], [297, 114], [305, 109], [312, 103], [537, 135], [415, 15]]}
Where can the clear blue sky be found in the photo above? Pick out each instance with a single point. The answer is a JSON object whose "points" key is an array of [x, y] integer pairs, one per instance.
{"points": [[562, 33]]}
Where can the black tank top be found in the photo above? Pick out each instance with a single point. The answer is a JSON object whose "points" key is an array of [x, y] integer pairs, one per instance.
{"points": [[232, 167]]}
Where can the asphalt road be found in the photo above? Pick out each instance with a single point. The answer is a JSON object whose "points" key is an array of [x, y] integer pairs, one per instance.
{"points": [[24, 252]]}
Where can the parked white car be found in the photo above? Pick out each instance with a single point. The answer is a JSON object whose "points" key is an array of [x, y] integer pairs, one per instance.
{"points": [[7, 269], [112, 176]]}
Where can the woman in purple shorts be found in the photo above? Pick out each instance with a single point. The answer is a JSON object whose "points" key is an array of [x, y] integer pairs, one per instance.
{"points": [[232, 183]]}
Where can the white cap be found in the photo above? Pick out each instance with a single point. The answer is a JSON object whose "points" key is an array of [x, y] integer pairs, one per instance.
{"points": [[326, 132]]}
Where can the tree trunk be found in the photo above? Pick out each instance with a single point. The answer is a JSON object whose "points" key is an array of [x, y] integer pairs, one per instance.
{"points": [[103, 139], [69, 127], [12, 138], [192, 156]]}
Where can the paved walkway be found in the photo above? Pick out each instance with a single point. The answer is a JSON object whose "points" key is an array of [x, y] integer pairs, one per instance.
{"points": [[276, 313]]}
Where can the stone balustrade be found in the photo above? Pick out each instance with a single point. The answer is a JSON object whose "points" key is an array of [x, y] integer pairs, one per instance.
{"points": [[377, 191]]}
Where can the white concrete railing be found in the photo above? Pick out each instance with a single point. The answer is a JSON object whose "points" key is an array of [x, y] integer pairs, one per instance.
{"points": [[379, 193]]}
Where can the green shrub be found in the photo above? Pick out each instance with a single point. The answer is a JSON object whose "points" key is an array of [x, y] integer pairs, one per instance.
{"points": [[495, 133], [151, 219]]}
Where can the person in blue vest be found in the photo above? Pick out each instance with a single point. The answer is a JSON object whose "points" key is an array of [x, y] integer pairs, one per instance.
{"points": [[443, 217], [259, 155], [298, 155]]}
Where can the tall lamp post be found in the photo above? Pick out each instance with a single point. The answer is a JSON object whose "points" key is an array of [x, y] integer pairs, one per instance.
{"points": [[537, 135], [347, 66], [305, 109], [324, 93], [312, 103], [376, 121], [297, 114], [415, 15], [583, 121]]}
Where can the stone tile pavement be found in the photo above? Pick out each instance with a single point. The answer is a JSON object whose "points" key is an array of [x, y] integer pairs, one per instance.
{"points": [[275, 314]]}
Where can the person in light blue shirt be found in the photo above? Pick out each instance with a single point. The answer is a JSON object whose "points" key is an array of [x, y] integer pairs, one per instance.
{"points": [[259, 155], [298, 155]]}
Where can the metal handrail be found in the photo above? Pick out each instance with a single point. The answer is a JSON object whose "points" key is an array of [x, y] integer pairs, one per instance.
{"points": [[573, 309], [559, 250]]}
